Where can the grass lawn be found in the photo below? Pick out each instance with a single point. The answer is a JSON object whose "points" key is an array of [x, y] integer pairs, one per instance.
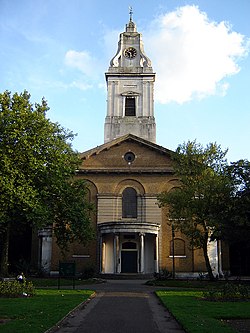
{"points": [[197, 284], [182, 283], [53, 282], [197, 315], [38, 313]]}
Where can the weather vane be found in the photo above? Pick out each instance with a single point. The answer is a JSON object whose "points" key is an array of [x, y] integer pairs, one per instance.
{"points": [[130, 13]]}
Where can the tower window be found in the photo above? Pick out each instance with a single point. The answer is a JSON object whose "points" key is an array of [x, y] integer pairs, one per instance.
{"points": [[129, 203], [130, 106]]}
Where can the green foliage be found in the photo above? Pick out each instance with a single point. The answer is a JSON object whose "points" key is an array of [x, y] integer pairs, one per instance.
{"points": [[228, 291], [88, 271], [163, 274], [239, 227], [72, 219], [37, 166], [16, 289], [35, 155], [199, 205]]}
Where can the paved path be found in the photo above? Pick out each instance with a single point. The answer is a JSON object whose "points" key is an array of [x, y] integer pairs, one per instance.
{"points": [[121, 306]]}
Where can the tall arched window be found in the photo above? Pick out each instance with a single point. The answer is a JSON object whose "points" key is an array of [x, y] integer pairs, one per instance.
{"points": [[129, 203], [179, 247]]}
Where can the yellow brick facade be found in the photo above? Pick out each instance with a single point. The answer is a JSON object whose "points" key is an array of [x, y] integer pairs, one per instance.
{"points": [[107, 174]]}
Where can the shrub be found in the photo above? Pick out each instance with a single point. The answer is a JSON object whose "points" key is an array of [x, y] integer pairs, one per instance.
{"points": [[163, 274], [16, 289], [88, 272], [228, 291]]}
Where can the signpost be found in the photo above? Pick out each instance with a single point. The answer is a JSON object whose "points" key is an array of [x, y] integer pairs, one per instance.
{"points": [[67, 270]]}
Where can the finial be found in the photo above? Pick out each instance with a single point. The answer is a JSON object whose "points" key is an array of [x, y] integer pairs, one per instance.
{"points": [[130, 13]]}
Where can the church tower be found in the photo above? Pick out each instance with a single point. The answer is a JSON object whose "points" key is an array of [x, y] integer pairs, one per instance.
{"points": [[130, 89]]}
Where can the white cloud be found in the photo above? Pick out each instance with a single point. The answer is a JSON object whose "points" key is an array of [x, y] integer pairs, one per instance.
{"points": [[80, 85], [89, 66], [192, 56], [84, 62]]}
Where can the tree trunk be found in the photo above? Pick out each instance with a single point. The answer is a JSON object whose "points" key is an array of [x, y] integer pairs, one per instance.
{"points": [[208, 266], [4, 256]]}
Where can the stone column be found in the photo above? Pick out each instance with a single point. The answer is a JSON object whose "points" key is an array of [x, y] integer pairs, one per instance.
{"points": [[142, 235], [100, 254], [220, 268], [156, 253], [115, 252], [45, 236]]}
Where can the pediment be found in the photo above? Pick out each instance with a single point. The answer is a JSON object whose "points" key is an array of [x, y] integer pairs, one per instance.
{"points": [[111, 156], [130, 93]]}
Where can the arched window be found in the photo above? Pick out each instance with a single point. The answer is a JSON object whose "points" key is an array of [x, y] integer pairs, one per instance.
{"points": [[88, 195], [129, 246], [129, 106], [129, 203], [179, 247]]}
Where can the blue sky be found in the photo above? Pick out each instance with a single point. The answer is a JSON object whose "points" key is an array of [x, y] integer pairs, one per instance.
{"points": [[199, 50]]}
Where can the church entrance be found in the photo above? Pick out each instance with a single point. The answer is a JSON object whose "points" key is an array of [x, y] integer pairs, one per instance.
{"points": [[128, 248], [129, 256], [129, 261]]}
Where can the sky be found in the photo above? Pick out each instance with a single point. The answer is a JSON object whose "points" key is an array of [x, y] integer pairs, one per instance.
{"points": [[60, 50]]}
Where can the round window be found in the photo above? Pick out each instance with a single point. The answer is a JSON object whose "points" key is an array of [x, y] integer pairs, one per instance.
{"points": [[129, 157]]}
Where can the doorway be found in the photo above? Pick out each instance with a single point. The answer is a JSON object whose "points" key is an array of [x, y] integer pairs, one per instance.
{"points": [[129, 257], [129, 261]]}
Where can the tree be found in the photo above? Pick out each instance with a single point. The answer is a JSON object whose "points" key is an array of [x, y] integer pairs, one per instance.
{"points": [[37, 164], [72, 213], [239, 226], [200, 205]]}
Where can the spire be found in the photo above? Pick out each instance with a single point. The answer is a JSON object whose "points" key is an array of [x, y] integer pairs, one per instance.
{"points": [[130, 27], [130, 14]]}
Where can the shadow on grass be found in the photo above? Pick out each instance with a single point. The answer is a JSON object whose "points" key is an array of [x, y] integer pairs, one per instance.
{"points": [[198, 315], [38, 313]]}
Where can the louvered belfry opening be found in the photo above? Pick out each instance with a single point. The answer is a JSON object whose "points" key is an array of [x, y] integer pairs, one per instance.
{"points": [[130, 106]]}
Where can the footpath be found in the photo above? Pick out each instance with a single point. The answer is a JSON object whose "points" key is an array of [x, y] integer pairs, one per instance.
{"points": [[120, 306]]}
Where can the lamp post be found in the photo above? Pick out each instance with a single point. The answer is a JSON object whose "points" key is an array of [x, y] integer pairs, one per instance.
{"points": [[173, 263]]}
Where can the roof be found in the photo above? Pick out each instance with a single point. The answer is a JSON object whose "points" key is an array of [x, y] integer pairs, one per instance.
{"points": [[128, 137]]}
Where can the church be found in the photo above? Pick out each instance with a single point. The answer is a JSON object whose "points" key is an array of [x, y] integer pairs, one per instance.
{"points": [[124, 176]]}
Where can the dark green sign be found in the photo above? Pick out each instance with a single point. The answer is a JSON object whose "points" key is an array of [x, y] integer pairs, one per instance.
{"points": [[67, 269]]}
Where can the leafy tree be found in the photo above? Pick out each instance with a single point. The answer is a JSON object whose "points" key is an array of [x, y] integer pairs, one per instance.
{"points": [[239, 227], [200, 205], [37, 164], [72, 215]]}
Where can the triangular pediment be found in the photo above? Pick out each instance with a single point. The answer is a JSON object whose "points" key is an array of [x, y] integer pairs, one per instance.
{"points": [[110, 157], [130, 93]]}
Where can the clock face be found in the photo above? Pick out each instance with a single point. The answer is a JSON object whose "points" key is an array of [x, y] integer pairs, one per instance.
{"points": [[130, 53]]}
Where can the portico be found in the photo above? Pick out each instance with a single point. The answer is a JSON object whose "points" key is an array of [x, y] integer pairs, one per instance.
{"points": [[128, 248]]}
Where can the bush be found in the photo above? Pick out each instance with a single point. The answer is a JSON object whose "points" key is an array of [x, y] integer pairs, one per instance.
{"points": [[16, 289], [163, 274], [88, 272], [229, 291]]}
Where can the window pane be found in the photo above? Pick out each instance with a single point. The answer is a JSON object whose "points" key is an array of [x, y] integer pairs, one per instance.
{"points": [[179, 247], [129, 203], [129, 246], [130, 106]]}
